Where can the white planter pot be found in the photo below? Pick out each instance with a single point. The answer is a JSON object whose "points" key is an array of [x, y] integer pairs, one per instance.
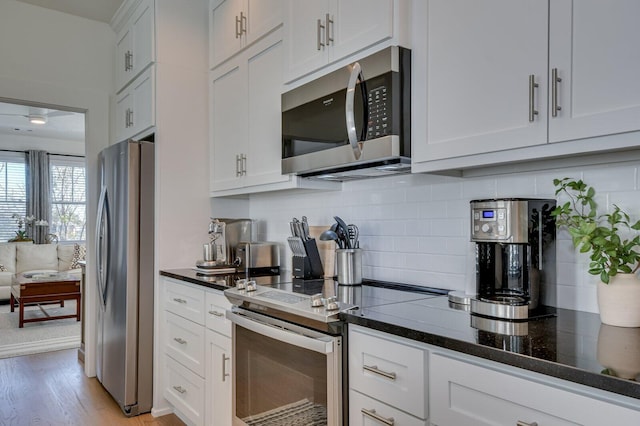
{"points": [[619, 301]]}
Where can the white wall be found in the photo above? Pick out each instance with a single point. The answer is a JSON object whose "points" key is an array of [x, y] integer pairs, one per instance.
{"points": [[54, 146], [61, 60], [415, 229]]}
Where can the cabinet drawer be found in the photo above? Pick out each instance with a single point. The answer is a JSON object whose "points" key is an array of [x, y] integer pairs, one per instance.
{"points": [[363, 411], [184, 342], [188, 302], [462, 394], [216, 305], [388, 370], [185, 391]]}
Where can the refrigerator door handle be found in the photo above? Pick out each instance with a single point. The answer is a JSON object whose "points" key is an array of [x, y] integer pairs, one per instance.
{"points": [[102, 245]]}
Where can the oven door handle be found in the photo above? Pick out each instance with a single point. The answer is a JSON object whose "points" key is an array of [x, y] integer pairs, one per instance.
{"points": [[320, 344]]}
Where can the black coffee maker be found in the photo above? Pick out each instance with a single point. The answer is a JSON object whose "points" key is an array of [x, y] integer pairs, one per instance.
{"points": [[515, 255]]}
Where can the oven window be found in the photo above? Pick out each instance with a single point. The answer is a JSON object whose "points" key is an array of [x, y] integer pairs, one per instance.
{"points": [[278, 383]]}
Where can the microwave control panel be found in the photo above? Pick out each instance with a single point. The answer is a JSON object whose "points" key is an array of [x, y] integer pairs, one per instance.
{"points": [[379, 108]]}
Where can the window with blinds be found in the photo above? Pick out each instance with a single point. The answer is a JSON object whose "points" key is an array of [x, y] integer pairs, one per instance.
{"points": [[68, 198], [13, 196]]}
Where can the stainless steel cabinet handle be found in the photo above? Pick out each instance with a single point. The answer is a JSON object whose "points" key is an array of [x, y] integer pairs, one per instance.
{"points": [[216, 313], [126, 60], [375, 370], [319, 37], [243, 23], [224, 367], [237, 27], [180, 389], [126, 118], [328, 31], [238, 165], [521, 423], [554, 92], [179, 340], [130, 60], [131, 118], [532, 98], [175, 299], [243, 157], [375, 416]]}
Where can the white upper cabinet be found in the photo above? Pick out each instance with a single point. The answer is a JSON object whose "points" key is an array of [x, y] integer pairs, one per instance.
{"points": [[501, 80], [486, 76], [135, 106], [593, 48], [245, 118], [319, 32], [236, 24], [135, 43]]}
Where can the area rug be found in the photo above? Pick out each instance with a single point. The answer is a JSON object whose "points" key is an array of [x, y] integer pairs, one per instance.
{"points": [[36, 337]]}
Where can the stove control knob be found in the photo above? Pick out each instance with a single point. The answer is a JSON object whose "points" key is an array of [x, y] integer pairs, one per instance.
{"points": [[316, 300], [332, 304], [252, 286], [241, 284]]}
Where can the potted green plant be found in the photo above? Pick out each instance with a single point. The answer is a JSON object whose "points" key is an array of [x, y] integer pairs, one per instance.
{"points": [[613, 244]]}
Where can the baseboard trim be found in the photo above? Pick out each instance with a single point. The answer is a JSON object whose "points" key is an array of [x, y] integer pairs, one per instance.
{"points": [[49, 345], [161, 411]]}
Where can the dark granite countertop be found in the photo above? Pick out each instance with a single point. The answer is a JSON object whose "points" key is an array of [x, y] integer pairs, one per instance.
{"points": [[572, 345]]}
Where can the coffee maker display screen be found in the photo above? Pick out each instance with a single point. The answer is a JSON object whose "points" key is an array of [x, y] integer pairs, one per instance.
{"points": [[488, 214]]}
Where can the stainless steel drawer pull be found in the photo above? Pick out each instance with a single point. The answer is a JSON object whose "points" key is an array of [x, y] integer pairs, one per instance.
{"points": [[224, 366], [374, 369], [554, 92], [180, 389], [179, 340], [328, 24], [175, 299], [216, 313], [375, 416], [319, 37], [521, 423], [532, 98]]}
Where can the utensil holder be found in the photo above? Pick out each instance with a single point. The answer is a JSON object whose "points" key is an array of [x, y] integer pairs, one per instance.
{"points": [[349, 266]]}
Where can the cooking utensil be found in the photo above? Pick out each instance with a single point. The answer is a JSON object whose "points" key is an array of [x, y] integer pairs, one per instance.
{"points": [[343, 232], [354, 234], [330, 235]]}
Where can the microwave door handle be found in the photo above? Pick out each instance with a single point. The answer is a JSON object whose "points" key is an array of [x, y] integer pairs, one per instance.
{"points": [[356, 72]]}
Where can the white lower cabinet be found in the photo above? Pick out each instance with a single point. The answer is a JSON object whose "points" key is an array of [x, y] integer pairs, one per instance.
{"points": [[197, 353], [462, 393], [387, 376]]}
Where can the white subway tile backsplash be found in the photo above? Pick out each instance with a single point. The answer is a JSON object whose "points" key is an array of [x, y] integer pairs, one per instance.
{"points": [[414, 229]]}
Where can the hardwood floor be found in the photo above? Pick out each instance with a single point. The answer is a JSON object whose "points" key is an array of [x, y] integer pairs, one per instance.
{"points": [[51, 389]]}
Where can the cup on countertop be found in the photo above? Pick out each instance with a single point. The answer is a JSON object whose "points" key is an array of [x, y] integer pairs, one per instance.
{"points": [[349, 266], [208, 253]]}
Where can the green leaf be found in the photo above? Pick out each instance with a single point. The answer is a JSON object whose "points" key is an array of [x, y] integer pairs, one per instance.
{"points": [[604, 277]]}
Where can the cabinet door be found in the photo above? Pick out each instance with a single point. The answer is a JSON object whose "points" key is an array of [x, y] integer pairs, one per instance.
{"points": [[143, 112], [358, 24], [593, 46], [304, 53], [480, 56], [124, 46], [228, 123], [263, 16], [143, 27], [225, 31], [218, 379], [123, 107], [264, 73]]}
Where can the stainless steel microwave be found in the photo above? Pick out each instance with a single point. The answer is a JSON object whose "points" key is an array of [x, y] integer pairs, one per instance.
{"points": [[352, 123]]}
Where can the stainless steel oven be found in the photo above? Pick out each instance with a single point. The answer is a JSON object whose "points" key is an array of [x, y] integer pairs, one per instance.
{"points": [[283, 373]]}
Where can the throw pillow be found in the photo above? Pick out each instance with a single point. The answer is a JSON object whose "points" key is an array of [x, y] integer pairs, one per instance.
{"points": [[65, 256], [36, 257], [79, 253]]}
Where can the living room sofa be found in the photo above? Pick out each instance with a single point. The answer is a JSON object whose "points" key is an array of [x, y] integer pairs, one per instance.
{"points": [[19, 257]]}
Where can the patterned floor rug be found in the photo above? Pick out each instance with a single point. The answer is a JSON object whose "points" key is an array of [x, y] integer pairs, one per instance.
{"points": [[38, 337]]}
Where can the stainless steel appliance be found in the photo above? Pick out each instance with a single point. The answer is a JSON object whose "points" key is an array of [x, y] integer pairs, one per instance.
{"points": [[287, 353], [124, 248], [515, 255], [352, 123], [258, 258], [225, 236]]}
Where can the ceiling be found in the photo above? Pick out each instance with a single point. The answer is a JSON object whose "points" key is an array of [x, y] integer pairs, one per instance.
{"points": [[64, 125], [98, 10]]}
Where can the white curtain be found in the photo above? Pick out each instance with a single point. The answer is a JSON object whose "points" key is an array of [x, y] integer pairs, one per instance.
{"points": [[38, 193]]}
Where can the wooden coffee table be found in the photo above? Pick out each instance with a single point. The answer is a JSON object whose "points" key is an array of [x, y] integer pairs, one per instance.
{"points": [[44, 289]]}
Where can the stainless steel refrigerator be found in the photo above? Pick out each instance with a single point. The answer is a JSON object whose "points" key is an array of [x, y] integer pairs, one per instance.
{"points": [[124, 248]]}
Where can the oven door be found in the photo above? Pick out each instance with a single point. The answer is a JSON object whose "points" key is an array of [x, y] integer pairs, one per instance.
{"points": [[283, 373]]}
